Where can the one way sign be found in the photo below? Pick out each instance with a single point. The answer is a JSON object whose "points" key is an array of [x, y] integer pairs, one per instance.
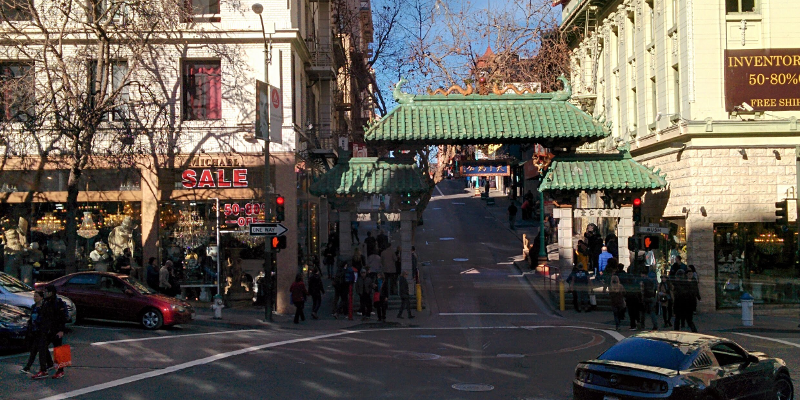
{"points": [[267, 229]]}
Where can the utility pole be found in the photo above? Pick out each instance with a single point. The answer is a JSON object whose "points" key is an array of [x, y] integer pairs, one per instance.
{"points": [[268, 272]]}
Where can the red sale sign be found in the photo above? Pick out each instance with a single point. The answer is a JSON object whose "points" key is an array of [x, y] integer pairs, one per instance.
{"points": [[214, 179]]}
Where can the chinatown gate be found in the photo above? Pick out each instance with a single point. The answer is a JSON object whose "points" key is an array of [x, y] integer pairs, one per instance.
{"points": [[483, 115]]}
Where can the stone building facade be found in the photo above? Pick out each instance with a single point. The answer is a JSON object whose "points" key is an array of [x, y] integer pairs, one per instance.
{"points": [[658, 73]]}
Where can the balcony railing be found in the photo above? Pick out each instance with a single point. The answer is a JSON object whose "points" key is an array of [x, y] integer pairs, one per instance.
{"points": [[321, 55]]}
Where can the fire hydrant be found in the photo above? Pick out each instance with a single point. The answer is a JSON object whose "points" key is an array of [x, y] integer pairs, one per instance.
{"points": [[217, 306]]}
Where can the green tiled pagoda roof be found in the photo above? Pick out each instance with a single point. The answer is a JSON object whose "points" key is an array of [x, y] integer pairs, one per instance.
{"points": [[485, 119], [600, 171], [370, 175]]}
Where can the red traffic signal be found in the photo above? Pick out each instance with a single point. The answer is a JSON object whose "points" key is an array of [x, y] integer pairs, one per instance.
{"points": [[279, 201], [637, 202]]}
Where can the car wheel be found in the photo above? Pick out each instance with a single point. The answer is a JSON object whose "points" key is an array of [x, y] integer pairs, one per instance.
{"points": [[152, 319], [783, 388]]}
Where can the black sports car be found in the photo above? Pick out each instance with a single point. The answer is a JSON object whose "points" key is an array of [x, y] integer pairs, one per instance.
{"points": [[685, 366]]}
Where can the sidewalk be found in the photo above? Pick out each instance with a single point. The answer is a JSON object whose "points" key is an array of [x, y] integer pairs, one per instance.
{"points": [[765, 319], [246, 316]]}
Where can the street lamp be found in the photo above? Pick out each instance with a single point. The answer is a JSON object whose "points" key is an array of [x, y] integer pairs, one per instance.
{"points": [[258, 9]]}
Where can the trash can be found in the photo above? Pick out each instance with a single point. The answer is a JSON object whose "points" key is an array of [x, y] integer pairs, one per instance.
{"points": [[747, 309]]}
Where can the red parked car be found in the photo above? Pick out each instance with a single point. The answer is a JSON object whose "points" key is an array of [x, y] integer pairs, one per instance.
{"points": [[107, 295]]}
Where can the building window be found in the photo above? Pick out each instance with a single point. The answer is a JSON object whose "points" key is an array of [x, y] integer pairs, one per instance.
{"points": [[202, 91], [117, 88], [741, 6], [16, 91], [16, 10], [676, 90], [105, 9], [630, 35], [634, 109], [653, 99], [651, 23], [201, 11], [674, 13]]}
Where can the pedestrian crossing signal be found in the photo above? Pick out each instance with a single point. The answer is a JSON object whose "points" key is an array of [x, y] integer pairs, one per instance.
{"points": [[782, 212], [651, 242], [278, 242]]}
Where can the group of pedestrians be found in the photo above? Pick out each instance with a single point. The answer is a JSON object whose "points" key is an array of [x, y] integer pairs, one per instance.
{"points": [[642, 296], [46, 326]]}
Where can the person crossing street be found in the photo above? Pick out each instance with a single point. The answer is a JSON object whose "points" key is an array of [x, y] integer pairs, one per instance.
{"points": [[405, 300]]}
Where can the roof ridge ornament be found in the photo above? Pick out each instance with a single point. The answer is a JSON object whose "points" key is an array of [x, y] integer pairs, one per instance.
{"points": [[455, 88], [399, 95], [564, 94]]}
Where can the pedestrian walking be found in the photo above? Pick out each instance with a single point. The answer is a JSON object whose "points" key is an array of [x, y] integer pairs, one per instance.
{"points": [[512, 215], [649, 304], [164, 285], [53, 317], [664, 300], [152, 274], [371, 244], [414, 266], [383, 241], [579, 282], [298, 293], [381, 296], [610, 270], [388, 260], [405, 300], [364, 292], [329, 259], [617, 293], [571, 282], [339, 292], [602, 260], [685, 301], [632, 296], [33, 333], [316, 289], [354, 232], [358, 261]]}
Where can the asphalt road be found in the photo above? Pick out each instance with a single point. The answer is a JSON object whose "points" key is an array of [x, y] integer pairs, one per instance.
{"points": [[484, 329]]}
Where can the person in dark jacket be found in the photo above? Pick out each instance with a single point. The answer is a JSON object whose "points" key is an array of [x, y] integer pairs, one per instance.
{"points": [[329, 259], [364, 291], [33, 333], [371, 244], [298, 292], [315, 289], [617, 294], [405, 300], [633, 295], [382, 288], [54, 316], [686, 296], [152, 273]]}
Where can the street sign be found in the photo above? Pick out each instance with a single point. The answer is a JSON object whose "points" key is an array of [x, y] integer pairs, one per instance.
{"points": [[267, 229], [653, 229]]}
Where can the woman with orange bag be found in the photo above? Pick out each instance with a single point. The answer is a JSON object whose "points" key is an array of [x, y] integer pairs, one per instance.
{"points": [[54, 316]]}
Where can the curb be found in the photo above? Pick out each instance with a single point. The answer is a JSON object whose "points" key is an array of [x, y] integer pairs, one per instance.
{"points": [[545, 300]]}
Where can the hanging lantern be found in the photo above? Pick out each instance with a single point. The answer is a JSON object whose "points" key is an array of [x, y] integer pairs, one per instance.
{"points": [[49, 224], [88, 229]]}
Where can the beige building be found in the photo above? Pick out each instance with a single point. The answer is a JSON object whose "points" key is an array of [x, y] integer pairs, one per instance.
{"points": [[205, 73], [705, 91]]}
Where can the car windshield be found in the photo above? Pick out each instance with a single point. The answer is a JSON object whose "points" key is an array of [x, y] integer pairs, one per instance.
{"points": [[136, 284], [13, 285], [652, 353]]}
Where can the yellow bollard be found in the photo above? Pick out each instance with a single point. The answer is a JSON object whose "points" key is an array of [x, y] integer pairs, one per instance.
{"points": [[561, 295], [419, 297]]}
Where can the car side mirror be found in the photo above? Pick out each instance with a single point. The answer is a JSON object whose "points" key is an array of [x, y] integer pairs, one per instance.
{"points": [[750, 359]]}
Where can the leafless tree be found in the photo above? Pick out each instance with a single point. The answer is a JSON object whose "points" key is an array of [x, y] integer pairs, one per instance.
{"points": [[97, 85]]}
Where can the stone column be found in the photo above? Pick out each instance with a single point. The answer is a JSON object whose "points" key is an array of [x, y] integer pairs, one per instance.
{"points": [[150, 214], [700, 253], [565, 250], [624, 231], [345, 240], [406, 225]]}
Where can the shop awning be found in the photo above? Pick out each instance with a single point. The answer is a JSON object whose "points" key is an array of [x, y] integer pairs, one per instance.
{"points": [[370, 175], [599, 172], [485, 119]]}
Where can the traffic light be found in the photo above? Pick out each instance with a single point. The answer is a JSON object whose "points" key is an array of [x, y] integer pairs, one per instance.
{"points": [[633, 244], [651, 242], [637, 210], [278, 242], [782, 212], [279, 208]]}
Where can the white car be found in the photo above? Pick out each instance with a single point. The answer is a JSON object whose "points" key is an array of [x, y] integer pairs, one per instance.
{"points": [[13, 291]]}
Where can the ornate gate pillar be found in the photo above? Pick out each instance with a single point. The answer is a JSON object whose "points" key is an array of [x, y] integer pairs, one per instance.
{"points": [[406, 239], [624, 231], [565, 250]]}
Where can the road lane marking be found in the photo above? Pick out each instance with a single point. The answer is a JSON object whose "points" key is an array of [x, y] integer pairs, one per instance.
{"points": [[170, 337], [440, 191], [190, 364], [609, 332], [786, 342], [480, 314], [470, 271]]}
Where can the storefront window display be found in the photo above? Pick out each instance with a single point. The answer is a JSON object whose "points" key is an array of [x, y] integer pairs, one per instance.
{"points": [[37, 236], [758, 258], [188, 235]]}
